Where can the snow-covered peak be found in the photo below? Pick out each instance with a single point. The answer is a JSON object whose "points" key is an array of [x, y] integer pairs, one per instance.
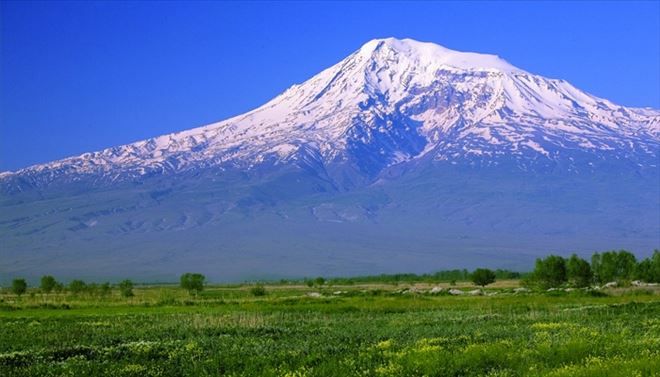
{"points": [[393, 101], [437, 57]]}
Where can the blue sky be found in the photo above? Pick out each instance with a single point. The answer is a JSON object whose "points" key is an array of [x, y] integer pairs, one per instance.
{"points": [[78, 77]]}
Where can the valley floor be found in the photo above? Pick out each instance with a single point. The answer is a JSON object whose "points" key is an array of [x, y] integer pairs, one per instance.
{"points": [[376, 330]]}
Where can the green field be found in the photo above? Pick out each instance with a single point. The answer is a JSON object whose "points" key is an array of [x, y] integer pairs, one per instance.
{"points": [[352, 330]]}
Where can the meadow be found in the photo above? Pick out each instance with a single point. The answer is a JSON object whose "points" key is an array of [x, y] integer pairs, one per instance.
{"points": [[333, 330]]}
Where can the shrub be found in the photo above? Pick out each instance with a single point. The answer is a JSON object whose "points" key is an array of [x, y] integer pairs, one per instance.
{"points": [[18, 286], [192, 282], [105, 289], [483, 277], [258, 290], [126, 288], [77, 286]]}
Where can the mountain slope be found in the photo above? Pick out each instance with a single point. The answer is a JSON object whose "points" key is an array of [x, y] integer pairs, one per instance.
{"points": [[403, 151], [390, 102]]}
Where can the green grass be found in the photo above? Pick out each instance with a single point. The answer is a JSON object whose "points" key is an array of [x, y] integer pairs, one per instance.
{"points": [[364, 331]]}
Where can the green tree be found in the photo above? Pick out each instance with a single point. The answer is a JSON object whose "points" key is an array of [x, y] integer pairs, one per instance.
{"points": [[550, 272], [126, 288], [48, 283], [613, 266], [578, 272], [319, 281], [643, 270], [19, 286], [77, 286], [193, 282], [648, 270], [654, 276], [483, 277]]}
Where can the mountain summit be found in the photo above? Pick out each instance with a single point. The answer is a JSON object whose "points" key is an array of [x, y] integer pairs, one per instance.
{"points": [[389, 102], [466, 146]]}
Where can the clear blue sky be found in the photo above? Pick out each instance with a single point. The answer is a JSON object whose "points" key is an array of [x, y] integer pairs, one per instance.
{"points": [[78, 77]]}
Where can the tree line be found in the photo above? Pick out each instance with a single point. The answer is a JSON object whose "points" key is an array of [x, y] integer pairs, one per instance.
{"points": [[48, 284], [447, 276], [610, 266], [551, 271], [192, 282]]}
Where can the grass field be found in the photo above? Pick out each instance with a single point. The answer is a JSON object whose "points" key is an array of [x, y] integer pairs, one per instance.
{"points": [[358, 330]]}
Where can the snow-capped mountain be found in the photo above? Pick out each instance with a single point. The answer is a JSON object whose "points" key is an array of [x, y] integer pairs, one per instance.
{"points": [[404, 156], [391, 102]]}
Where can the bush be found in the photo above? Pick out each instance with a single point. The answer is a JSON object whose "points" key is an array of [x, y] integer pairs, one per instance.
{"points": [[77, 286], [105, 289], [483, 277], [193, 282], [258, 290], [126, 288], [18, 286]]}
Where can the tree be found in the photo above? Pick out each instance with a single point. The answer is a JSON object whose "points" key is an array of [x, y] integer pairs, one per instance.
{"points": [[483, 277], [550, 272], [626, 263], [654, 276], [48, 283], [126, 288], [18, 286], [192, 282], [648, 270], [613, 265], [77, 286], [319, 281], [578, 271]]}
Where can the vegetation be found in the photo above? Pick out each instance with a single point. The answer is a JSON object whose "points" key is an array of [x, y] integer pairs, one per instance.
{"points": [[578, 272], [48, 283], [649, 269], [126, 288], [258, 290], [77, 286], [19, 286], [613, 266], [400, 327], [368, 330], [550, 271], [193, 282], [483, 277]]}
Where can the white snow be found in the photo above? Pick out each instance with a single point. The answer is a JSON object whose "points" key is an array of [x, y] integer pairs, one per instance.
{"points": [[494, 107]]}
